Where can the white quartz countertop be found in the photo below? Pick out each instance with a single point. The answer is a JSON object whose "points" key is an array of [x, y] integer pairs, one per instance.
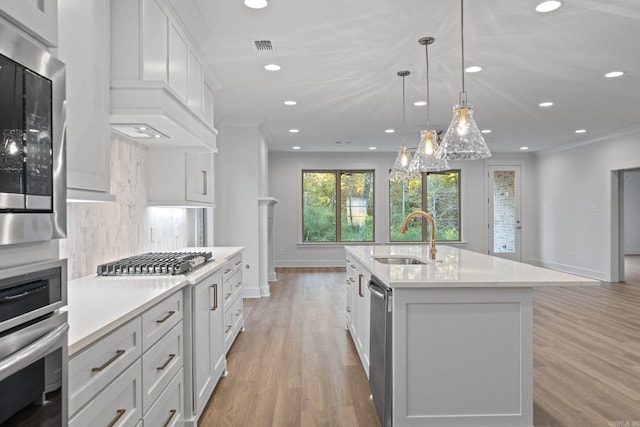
{"points": [[98, 305], [456, 267]]}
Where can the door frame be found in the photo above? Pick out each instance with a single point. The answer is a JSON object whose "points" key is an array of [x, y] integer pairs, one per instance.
{"points": [[520, 188]]}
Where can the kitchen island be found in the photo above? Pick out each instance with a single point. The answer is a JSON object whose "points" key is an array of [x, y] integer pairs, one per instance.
{"points": [[462, 332]]}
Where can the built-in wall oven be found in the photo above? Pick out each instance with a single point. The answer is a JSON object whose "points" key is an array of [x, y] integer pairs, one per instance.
{"points": [[32, 144], [33, 345]]}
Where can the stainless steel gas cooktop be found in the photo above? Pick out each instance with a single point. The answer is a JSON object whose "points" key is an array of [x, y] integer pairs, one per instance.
{"points": [[155, 263]]}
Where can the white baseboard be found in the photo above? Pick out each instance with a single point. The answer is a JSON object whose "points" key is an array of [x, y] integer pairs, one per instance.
{"points": [[592, 274], [251, 292]]}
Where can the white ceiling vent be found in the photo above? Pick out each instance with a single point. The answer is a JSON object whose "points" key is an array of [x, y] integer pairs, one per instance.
{"points": [[263, 47]]}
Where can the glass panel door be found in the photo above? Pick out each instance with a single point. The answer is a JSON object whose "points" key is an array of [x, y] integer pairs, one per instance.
{"points": [[505, 228]]}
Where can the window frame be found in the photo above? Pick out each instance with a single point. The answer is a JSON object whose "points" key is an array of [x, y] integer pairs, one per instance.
{"points": [[337, 173], [424, 202]]}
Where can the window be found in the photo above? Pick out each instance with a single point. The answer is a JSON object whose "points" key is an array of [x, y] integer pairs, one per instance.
{"points": [[437, 193], [337, 206]]}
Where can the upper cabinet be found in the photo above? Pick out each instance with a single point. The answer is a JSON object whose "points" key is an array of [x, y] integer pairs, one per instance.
{"points": [[38, 18], [180, 178], [84, 48], [157, 77]]}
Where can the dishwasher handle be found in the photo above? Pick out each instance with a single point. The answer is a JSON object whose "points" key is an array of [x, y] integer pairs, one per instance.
{"points": [[375, 291]]}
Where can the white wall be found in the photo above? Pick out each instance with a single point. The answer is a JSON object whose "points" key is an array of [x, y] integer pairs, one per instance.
{"points": [[574, 190], [285, 178], [238, 183], [632, 212]]}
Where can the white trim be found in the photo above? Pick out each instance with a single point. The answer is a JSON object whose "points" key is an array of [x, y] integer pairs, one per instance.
{"points": [[593, 274]]}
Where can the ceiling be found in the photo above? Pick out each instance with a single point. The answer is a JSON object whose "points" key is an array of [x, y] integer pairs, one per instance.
{"points": [[340, 60]]}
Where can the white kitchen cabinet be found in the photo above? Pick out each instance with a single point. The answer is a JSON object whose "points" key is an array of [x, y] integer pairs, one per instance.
{"points": [[207, 105], [232, 300], [168, 411], [38, 18], [157, 75], [209, 360], [120, 378], [180, 179], [358, 309], [84, 48]]}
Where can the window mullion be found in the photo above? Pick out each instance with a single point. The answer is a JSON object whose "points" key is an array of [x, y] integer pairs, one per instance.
{"points": [[338, 206]]}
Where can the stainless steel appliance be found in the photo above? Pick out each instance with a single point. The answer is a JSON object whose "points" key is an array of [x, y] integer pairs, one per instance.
{"points": [[161, 263], [32, 144], [33, 345], [380, 350]]}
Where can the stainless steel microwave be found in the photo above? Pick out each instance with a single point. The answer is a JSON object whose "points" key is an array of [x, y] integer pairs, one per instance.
{"points": [[32, 144]]}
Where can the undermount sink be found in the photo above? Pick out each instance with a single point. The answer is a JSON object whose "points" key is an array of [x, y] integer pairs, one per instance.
{"points": [[400, 260]]}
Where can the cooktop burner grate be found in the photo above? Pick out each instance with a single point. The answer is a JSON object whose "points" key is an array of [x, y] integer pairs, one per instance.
{"points": [[155, 263]]}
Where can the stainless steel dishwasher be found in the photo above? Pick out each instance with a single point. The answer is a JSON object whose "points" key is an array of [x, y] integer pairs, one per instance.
{"points": [[380, 350]]}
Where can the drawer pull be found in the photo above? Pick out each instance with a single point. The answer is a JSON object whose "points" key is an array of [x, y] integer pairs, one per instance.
{"points": [[109, 362], [238, 313], [215, 296], [348, 309], [173, 413], [119, 414], [228, 295], [227, 270], [228, 329], [238, 262], [171, 313], [239, 284], [171, 356]]}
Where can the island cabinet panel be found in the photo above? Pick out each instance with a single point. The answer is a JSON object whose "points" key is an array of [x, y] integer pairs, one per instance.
{"points": [[38, 18], [84, 48], [461, 356], [358, 309]]}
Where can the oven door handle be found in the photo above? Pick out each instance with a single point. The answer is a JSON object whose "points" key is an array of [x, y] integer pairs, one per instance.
{"points": [[12, 298], [34, 351]]}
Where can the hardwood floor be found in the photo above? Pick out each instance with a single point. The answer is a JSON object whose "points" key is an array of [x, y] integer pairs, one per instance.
{"points": [[295, 364]]}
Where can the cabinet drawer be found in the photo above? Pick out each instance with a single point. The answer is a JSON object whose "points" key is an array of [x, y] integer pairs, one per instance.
{"points": [[160, 364], [233, 322], [92, 369], [231, 288], [117, 405], [169, 408], [159, 319], [232, 266]]}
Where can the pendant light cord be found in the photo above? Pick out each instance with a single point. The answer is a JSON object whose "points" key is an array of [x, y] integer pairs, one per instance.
{"points": [[403, 116], [463, 94], [426, 49]]}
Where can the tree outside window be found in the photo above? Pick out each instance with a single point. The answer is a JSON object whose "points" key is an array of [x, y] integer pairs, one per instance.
{"points": [[337, 206], [437, 193]]}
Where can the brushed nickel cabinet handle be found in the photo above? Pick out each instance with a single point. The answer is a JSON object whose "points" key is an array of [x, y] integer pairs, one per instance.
{"points": [[108, 362], [228, 329], [348, 309], [173, 413], [239, 284], [238, 313], [171, 313], [228, 295], [360, 276], [227, 270], [171, 356], [119, 414], [215, 296], [238, 262], [204, 182]]}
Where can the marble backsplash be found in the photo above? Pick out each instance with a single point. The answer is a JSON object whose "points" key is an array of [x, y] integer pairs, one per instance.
{"points": [[103, 232]]}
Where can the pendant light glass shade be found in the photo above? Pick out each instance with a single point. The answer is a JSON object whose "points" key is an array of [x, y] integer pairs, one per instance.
{"points": [[425, 160], [400, 168], [463, 139]]}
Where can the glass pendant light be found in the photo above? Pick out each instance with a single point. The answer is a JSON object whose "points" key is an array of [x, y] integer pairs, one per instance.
{"points": [[400, 169], [463, 139], [425, 160]]}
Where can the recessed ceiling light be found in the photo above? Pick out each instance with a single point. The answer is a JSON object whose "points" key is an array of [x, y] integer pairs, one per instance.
{"points": [[389, 130], [485, 131], [290, 102], [548, 6], [294, 130], [142, 128], [613, 74], [295, 147], [546, 104], [473, 69], [581, 130], [272, 67], [373, 148], [524, 148], [420, 103], [255, 4]]}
